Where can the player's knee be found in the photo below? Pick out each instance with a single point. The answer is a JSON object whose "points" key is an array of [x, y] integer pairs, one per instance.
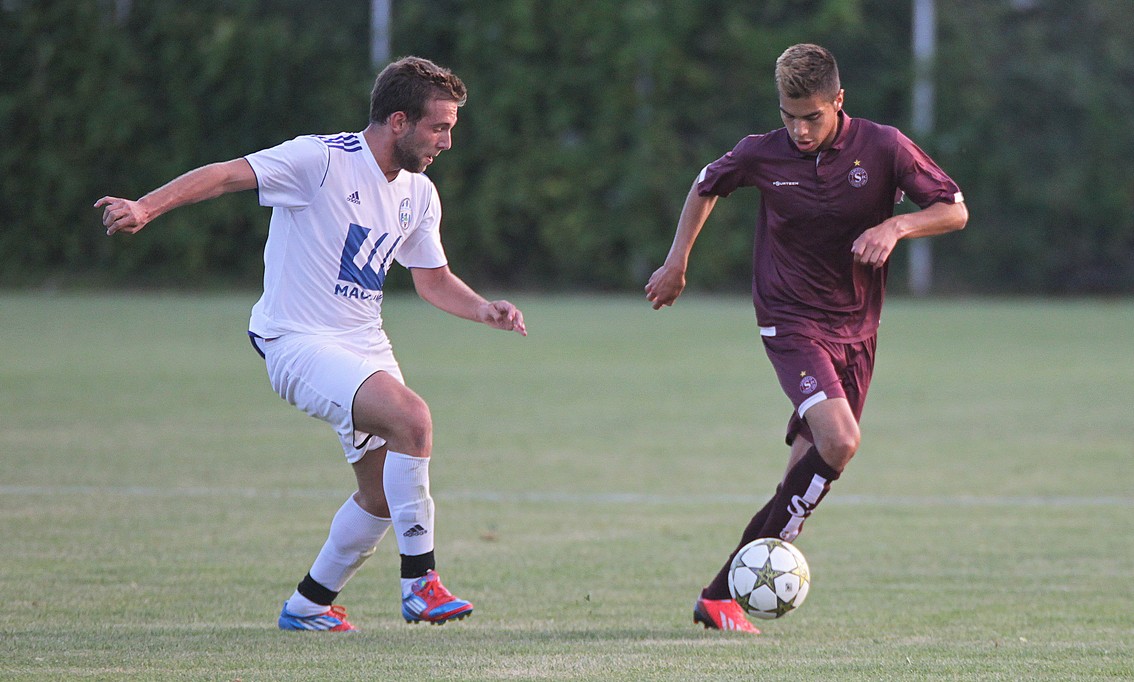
{"points": [[417, 431], [419, 442], [838, 448]]}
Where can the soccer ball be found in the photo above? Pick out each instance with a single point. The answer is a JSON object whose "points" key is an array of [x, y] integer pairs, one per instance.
{"points": [[769, 578]]}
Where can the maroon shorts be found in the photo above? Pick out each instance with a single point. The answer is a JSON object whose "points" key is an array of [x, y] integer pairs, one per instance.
{"points": [[812, 370]]}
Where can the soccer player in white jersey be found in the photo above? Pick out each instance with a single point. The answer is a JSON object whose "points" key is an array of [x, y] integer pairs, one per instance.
{"points": [[344, 207]]}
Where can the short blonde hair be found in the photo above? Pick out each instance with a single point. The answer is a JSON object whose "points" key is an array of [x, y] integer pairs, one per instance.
{"points": [[806, 70]]}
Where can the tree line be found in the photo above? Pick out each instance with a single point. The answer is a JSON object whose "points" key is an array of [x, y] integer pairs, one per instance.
{"points": [[585, 126]]}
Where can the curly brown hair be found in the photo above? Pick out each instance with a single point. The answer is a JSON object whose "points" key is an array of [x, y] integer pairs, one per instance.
{"points": [[410, 83]]}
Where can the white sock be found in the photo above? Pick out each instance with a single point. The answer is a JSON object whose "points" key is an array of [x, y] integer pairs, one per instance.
{"points": [[353, 537], [298, 605], [406, 482]]}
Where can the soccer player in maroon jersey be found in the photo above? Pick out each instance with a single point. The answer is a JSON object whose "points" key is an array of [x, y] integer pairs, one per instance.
{"points": [[824, 235]]}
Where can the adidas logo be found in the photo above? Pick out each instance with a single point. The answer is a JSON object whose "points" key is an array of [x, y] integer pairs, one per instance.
{"points": [[415, 531], [353, 198]]}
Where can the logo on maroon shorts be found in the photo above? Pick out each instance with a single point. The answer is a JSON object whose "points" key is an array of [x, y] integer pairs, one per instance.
{"points": [[808, 384]]}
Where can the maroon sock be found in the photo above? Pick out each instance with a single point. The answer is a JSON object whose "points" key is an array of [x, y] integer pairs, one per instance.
{"points": [[718, 588], [803, 488]]}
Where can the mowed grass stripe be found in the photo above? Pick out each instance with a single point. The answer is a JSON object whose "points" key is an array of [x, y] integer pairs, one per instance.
{"points": [[535, 496]]}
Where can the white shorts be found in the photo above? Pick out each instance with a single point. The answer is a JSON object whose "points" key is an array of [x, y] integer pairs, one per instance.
{"points": [[320, 375]]}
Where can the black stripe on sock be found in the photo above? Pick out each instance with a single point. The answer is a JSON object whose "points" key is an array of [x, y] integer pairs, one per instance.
{"points": [[417, 565], [316, 592]]}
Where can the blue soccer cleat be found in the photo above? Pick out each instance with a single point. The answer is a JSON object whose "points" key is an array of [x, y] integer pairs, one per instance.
{"points": [[332, 620], [429, 601]]}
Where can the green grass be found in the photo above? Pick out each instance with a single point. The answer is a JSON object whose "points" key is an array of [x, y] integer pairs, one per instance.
{"points": [[158, 501]]}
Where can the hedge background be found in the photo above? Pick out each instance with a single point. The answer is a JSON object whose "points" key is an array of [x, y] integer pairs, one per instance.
{"points": [[586, 123]]}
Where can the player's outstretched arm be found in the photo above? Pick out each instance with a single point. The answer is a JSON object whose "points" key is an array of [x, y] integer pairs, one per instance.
{"points": [[668, 281], [206, 182], [444, 290]]}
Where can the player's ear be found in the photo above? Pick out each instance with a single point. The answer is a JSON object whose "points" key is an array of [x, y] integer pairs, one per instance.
{"points": [[839, 99]]}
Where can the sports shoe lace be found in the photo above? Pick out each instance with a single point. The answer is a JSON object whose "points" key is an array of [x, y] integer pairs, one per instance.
{"points": [[435, 591]]}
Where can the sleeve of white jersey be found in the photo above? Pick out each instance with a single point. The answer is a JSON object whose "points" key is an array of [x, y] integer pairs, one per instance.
{"points": [[422, 248], [289, 174]]}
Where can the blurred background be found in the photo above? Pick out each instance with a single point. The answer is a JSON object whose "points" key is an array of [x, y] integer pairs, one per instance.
{"points": [[586, 123]]}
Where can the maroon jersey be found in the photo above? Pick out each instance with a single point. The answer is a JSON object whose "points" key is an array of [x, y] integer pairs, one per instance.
{"points": [[804, 278]]}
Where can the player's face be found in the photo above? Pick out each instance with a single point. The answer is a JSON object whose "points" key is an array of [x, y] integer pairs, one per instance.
{"points": [[812, 122], [424, 140]]}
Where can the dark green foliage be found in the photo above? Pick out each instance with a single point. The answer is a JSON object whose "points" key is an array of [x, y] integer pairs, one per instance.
{"points": [[588, 121], [92, 104], [1035, 115], [586, 124]]}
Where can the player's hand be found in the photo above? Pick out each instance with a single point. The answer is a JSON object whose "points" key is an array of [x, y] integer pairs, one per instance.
{"points": [[121, 215], [504, 315], [873, 247], [665, 285]]}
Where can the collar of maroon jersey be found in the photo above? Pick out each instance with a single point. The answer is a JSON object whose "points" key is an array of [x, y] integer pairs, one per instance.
{"points": [[840, 137], [844, 128]]}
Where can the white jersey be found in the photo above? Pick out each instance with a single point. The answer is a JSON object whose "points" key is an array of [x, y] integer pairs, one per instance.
{"points": [[337, 226]]}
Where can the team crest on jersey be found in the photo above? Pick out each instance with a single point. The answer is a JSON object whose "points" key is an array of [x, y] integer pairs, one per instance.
{"points": [[858, 175], [405, 213], [808, 384]]}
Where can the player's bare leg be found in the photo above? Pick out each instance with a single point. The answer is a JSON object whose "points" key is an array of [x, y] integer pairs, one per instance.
{"points": [[368, 473], [398, 485], [386, 407], [835, 432]]}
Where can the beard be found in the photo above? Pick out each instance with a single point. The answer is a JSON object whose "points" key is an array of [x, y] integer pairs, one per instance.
{"points": [[408, 157]]}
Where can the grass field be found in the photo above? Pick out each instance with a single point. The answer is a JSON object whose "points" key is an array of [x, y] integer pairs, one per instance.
{"points": [[158, 501]]}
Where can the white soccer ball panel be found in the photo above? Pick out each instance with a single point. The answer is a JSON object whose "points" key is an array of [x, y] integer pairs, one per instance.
{"points": [[783, 559], [741, 581], [762, 599], [754, 556], [803, 589], [799, 559], [787, 586]]}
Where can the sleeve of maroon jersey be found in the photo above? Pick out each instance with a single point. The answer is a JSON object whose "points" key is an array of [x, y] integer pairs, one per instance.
{"points": [[920, 177], [723, 176]]}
